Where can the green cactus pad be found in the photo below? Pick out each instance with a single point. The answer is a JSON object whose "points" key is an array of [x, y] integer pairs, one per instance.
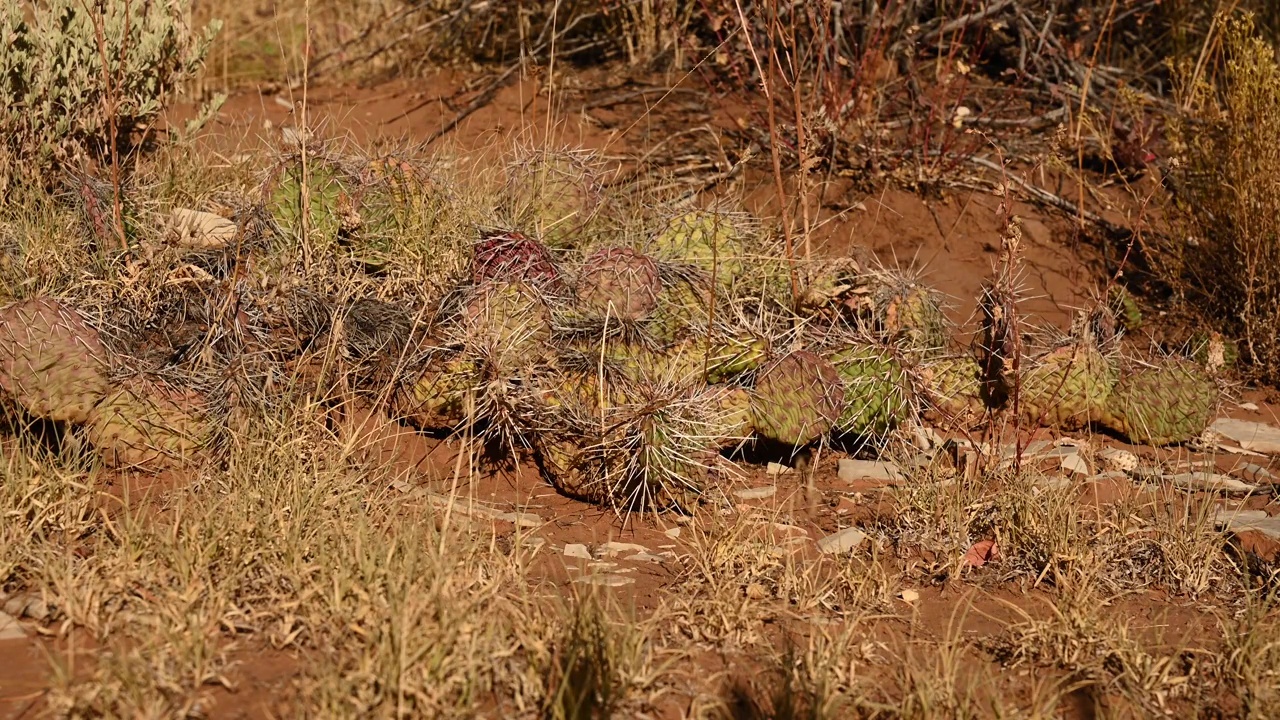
{"points": [[512, 322], [150, 425], [51, 361], [797, 398], [1067, 387], [953, 388], [1172, 402], [877, 394], [709, 240]]}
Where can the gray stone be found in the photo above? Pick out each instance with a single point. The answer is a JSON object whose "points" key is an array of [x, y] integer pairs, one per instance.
{"points": [[851, 470], [606, 580], [577, 550], [1073, 464], [843, 541], [1209, 481], [1254, 474], [14, 605], [758, 493], [611, 548], [10, 629], [1254, 436]]}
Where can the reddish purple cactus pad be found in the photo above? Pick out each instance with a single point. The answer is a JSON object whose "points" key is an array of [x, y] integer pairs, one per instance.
{"points": [[513, 257]]}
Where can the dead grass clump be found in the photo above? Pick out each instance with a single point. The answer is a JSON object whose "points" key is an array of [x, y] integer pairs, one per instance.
{"points": [[1226, 254]]}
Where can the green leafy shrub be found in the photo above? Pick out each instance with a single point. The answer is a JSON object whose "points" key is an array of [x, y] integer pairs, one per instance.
{"points": [[1225, 252], [78, 76]]}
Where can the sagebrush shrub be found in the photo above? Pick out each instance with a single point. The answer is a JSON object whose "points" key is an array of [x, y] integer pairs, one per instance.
{"points": [[68, 67], [1225, 253]]}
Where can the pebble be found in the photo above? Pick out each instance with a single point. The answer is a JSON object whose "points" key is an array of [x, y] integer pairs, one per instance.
{"points": [[909, 595], [774, 468], [672, 533], [606, 580], [1119, 460], [850, 470], [1073, 464], [611, 548], [646, 557], [1258, 532], [758, 493], [1248, 406], [1255, 474], [577, 550], [1209, 481], [843, 541], [1255, 436], [9, 628]]}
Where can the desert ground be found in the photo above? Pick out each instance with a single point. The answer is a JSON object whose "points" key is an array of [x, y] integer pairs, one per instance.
{"points": [[640, 360]]}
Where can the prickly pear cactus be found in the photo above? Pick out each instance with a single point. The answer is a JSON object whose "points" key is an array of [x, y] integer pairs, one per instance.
{"points": [[556, 193], [51, 361], [150, 425], [511, 322], [1124, 308], [797, 398], [731, 418], [1067, 387], [437, 400], [710, 240], [329, 205], [877, 393], [512, 257], [1170, 402], [952, 387], [620, 282]]}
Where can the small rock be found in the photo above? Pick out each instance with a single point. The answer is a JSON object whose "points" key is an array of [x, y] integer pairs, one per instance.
{"points": [[611, 548], [36, 609], [758, 493], [1118, 460], [14, 605], [909, 596], [1075, 465], [1248, 406], [1255, 436], [607, 580], [774, 469], [646, 557], [522, 519], [851, 470], [1256, 531], [1255, 474], [1209, 481], [842, 541], [199, 230], [672, 533], [577, 550], [9, 628]]}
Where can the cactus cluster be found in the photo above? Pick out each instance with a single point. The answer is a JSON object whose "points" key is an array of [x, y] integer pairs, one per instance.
{"points": [[628, 362], [55, 366]]}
